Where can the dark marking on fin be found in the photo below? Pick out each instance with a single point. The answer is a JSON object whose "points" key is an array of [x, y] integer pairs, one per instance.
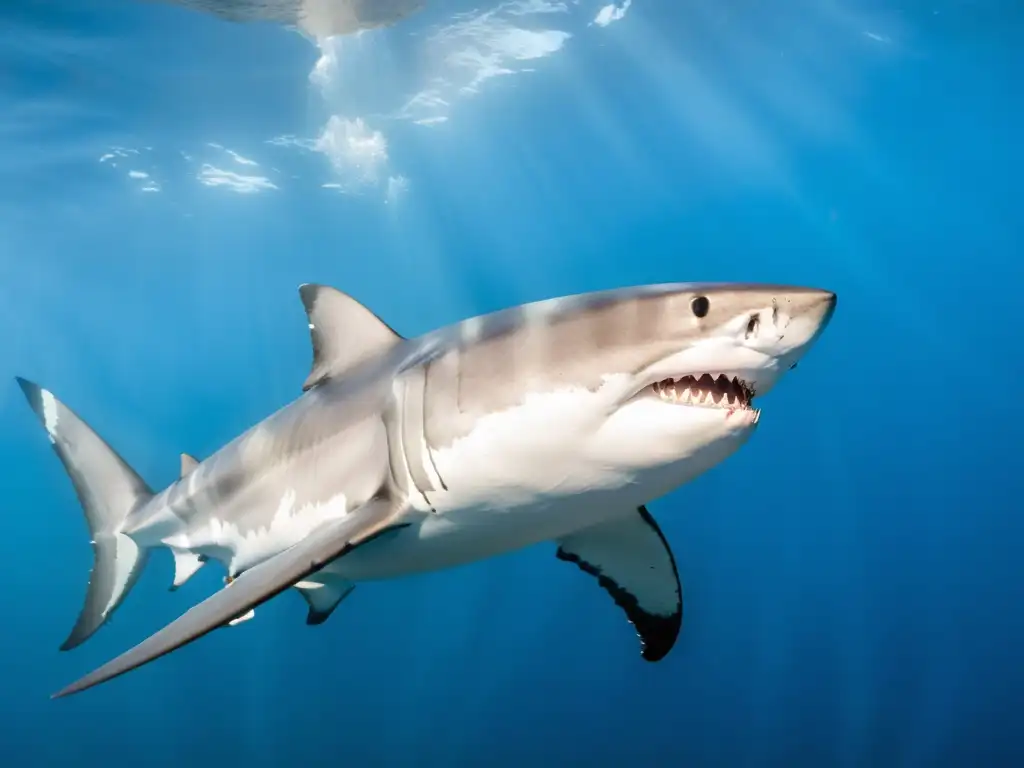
{"points": [[613, 553]]}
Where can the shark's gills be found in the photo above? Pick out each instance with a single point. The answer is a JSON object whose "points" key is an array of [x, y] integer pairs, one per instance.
{"points": [[108, 490]]}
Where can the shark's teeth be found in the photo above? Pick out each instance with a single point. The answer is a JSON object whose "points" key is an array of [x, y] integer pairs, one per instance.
{"points": [[706, 390]]}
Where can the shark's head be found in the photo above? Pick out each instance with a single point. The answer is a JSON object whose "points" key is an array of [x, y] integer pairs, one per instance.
{"points": [[633, 391], [704, 358]]}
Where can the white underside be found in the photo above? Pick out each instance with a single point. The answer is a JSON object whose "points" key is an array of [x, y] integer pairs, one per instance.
{"points": [[459, 536], [450, 539], [430, 542]]}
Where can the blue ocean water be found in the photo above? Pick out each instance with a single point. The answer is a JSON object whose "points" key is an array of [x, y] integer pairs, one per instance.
{"points": [[852, 577]]}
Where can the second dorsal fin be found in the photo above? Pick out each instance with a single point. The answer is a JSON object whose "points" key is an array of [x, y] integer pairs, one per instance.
{"points": [[188, 463], [344, 333]]}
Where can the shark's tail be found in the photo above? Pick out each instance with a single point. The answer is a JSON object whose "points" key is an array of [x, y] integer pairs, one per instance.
{"points": [[108, 490]]}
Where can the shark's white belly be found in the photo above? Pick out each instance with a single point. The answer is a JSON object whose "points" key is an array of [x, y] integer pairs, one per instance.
{"points": [[437, 541]]}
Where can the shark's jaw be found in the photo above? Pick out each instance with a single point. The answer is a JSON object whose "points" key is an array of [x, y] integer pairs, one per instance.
{"points": [[721, 391]]}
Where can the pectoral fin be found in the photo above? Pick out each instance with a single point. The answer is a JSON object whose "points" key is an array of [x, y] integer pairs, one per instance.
{"points": [[253, 587], [633, 563]]}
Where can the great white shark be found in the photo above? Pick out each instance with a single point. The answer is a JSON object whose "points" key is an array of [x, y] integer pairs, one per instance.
{"points": [[555, 421]]}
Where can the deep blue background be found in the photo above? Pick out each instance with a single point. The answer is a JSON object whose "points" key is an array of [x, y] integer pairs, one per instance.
{"points": [[852, 577]]}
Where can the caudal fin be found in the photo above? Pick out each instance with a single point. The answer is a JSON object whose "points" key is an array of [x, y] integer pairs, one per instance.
{"points": [[108, 490]]}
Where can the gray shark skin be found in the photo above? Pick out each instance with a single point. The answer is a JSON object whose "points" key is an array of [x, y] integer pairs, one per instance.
{"points": [[552, 421]]}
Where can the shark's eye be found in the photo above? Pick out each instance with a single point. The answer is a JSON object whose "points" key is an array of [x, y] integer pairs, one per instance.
{"points": [[700, 305]]}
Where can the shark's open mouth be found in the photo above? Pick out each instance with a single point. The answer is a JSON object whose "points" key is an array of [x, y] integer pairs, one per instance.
{"points": [[708, 391]]}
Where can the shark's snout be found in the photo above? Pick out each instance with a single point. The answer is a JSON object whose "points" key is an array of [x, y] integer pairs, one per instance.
{"points": [[796, 320], [800, 321], [820, 306]]}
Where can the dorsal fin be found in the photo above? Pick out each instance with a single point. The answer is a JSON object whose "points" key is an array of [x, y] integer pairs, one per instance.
{"points": [[344, 333], [188, 463]]}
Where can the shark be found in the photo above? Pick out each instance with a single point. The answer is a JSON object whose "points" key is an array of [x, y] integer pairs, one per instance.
{"points": [[554, 421]]}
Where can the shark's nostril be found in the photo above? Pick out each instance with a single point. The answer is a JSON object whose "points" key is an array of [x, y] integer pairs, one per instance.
{"points": [[752, 324]]}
